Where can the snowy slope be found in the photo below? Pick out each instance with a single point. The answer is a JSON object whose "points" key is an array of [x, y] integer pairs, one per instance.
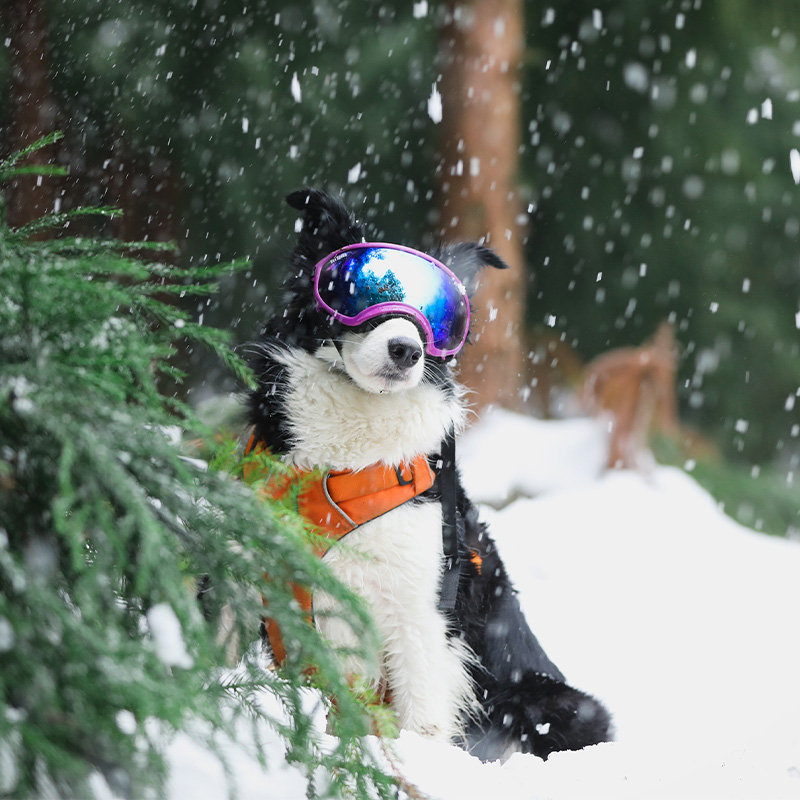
{"points": [[684, 623]]}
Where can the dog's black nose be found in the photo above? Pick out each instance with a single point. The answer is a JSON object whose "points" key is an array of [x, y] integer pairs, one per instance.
{"points": [[404, 352]]}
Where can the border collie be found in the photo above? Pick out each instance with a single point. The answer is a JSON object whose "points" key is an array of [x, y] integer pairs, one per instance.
{"points": [[356, 372]]}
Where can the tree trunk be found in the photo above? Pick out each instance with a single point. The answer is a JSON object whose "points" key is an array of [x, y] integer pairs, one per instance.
{"points": [[33, 108], [480, 51]]}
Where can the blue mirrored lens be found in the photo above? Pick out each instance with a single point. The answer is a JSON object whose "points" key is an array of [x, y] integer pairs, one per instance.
{"points": [[362, 278]]}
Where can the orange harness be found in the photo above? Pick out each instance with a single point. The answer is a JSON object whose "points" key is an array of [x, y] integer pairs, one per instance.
{"points": [[337, 502]]}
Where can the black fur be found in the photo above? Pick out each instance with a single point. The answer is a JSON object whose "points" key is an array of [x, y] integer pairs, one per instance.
{"points": [[327, 226], [525, 701]]}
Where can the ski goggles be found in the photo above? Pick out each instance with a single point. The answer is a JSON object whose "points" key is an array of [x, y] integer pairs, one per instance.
{"points": [[364, 281]]}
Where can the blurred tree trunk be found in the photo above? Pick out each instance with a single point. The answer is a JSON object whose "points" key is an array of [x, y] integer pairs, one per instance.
{"points": [[144, 186], [33, 109], [481, 46]]}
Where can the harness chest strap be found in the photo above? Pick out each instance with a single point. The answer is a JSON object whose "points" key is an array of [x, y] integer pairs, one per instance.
{"points": [[337, 502]]}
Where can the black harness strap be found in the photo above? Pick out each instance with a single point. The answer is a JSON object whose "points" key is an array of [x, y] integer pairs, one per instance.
{"points": [[447, 487]]}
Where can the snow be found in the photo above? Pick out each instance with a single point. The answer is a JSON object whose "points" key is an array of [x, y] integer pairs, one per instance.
{"points": [[635, 76], [165, 630], [195, 772], [794, 162], [297, 92], [502, 459], [8, 768], [681, 620], [435, 104], [126, 722], [19, 387], [6, 635], [354, 173]]}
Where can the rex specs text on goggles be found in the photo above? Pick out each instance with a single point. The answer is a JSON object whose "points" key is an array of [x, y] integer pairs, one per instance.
{"points": [[364, 281]]}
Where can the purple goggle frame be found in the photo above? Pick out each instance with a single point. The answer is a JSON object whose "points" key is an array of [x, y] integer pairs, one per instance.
{"points": [[363, 281]]}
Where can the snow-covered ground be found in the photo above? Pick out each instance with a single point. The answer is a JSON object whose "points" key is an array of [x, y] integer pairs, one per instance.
{"points": [[684, 623]]}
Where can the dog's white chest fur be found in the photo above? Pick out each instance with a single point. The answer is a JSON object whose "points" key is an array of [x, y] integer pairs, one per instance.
{"points": [[395, 561], [336, 424]]}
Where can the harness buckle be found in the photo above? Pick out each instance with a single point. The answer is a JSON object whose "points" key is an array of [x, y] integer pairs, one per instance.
{"points": [[401, 480]]}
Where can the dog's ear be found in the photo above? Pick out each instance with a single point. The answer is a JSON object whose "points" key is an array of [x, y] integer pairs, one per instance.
{"points": [[467, 259], [327, 224]]}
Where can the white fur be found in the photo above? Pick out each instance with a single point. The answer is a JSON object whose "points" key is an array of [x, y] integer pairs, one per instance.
{"points": [[343, 417], [394, 563], [367, 362], [337, 424]]}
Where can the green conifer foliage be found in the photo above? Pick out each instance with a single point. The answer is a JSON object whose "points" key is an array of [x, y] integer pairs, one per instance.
{"points": [[105, 530]]}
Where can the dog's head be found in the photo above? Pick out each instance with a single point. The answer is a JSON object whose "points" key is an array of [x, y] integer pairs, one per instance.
{"points": [[389, 316]]}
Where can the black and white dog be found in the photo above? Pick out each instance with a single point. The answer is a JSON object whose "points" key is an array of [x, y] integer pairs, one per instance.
{"points": [[354, 372]]}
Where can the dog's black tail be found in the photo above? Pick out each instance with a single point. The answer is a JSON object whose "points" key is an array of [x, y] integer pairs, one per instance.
{"points": [[538, 715]]}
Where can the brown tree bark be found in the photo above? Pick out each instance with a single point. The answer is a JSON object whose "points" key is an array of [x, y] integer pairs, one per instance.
{"points": [[33, 107], [481, 47]]}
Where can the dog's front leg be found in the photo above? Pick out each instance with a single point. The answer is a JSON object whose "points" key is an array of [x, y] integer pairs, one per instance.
{"points": [[394, 563], [427, 673]]}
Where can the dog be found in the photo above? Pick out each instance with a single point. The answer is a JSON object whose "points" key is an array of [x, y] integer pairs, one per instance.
{"points": [[355, 376]]}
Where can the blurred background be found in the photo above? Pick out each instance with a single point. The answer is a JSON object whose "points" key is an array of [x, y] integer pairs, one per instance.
{"points": [[637, 165]]}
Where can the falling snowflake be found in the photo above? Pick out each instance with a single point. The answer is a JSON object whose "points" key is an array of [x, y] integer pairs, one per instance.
{"points": [[435, 105], [354, 174], [794, 159]]}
